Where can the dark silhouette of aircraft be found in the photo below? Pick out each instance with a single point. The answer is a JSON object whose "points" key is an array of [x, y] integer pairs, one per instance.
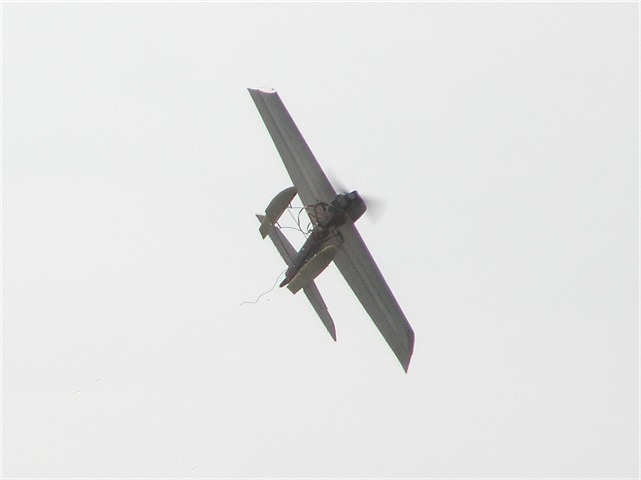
{"points": [[333, 236]]}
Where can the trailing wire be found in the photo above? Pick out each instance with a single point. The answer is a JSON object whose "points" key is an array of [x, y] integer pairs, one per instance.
{"points": [[289, 210], [307, 229], [265, 293], [312, 211], [290, 228]]}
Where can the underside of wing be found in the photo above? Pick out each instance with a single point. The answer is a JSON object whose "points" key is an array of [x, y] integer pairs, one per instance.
{"points": [[364, 277], [303, 168]]}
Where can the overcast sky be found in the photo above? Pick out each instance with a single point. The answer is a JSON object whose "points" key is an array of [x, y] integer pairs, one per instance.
{"points": [[504, 139]]}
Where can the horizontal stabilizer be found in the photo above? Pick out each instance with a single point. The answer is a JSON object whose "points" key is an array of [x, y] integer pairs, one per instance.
{"points": [[288, 252], [313, 268], [276, 208]]}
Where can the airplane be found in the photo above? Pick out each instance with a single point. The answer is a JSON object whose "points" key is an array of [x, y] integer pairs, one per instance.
{"points": [[333, 236]]}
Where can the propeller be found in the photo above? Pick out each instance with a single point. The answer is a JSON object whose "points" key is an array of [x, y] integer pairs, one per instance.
{"points": [[375, 205]]}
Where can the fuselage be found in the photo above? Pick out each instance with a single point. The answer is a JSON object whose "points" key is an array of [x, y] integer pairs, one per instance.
{"points": [[343, 208]]}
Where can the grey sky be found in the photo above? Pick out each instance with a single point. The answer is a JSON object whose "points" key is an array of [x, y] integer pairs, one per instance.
{"points": [[505, 140]]}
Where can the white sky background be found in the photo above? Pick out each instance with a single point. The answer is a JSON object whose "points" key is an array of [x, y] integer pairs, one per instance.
{"points": [[504, 138]]}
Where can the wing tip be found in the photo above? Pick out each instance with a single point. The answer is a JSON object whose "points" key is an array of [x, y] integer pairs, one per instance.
{"points": [[261, 90], [333, 334], [406, 364], [404, 354], [410, 338]]}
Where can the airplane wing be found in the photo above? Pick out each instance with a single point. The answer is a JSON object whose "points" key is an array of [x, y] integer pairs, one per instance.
{"points": [[362, 274], [302, 166]]}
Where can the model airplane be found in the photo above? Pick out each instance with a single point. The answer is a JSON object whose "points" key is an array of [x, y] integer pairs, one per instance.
{"points": [[333, 236]]}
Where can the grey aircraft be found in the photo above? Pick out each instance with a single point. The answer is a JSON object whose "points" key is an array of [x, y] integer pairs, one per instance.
{"points": [[334, 236]]}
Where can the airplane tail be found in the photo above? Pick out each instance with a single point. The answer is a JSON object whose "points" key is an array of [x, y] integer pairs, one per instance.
{"points": [[288, 252]]}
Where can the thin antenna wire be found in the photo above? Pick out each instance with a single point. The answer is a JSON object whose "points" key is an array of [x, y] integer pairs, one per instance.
{"points": [[296, 221], [265, 293]]}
